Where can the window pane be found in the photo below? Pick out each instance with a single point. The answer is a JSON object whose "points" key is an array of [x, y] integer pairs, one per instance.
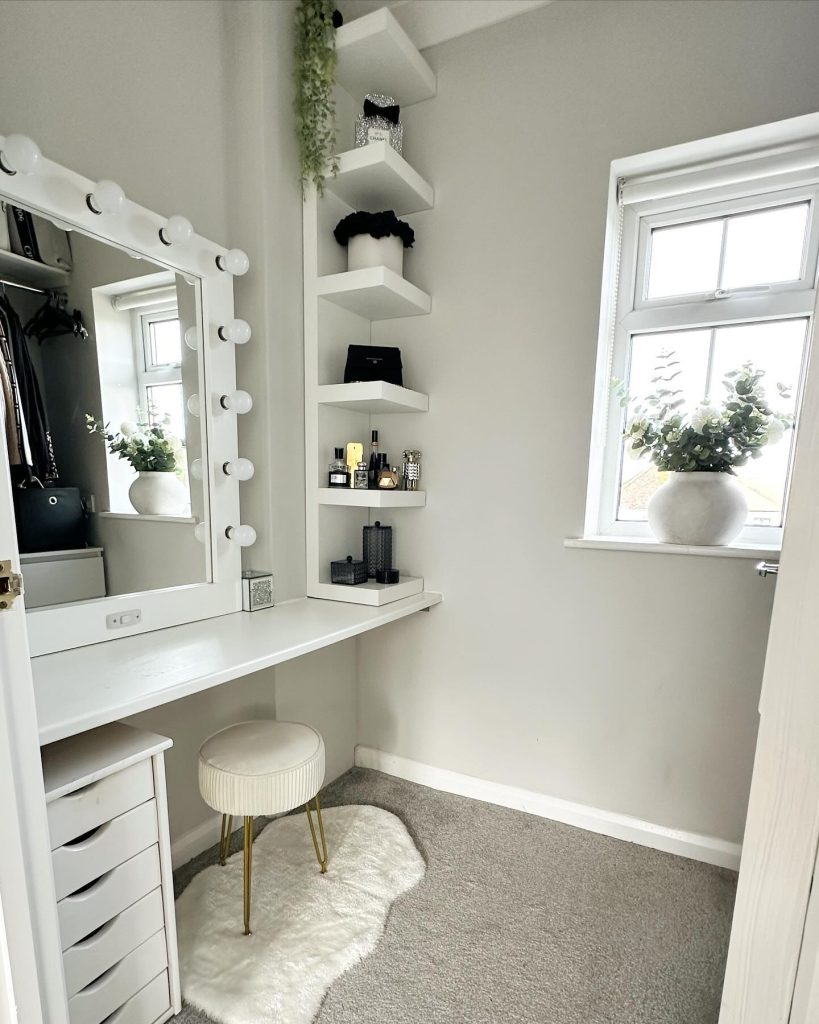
{"points": [[166, 347], [639, 479], [684, 259], [765, 247], [777, 348], [166, 400]]}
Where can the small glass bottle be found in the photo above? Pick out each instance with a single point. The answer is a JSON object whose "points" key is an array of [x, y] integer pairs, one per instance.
{"points": [[361, 477], [372, 472], [339, 473]]}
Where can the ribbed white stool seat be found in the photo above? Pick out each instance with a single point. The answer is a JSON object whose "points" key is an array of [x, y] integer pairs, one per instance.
{"points": [[261, 767]]}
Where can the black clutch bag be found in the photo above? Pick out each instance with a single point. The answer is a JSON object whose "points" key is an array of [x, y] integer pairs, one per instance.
{"points": [[373, 362], [49, 518]]}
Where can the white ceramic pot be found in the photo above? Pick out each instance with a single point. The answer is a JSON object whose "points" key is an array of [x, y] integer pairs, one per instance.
{"points": [[366, 251], [158, 494], [698, 508]]}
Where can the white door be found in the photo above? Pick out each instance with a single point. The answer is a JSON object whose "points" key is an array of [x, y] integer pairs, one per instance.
{"points": [[782, 831], [31, 978]]}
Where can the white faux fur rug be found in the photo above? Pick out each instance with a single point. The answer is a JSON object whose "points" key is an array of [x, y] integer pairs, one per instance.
{"points": [[308, 928]]}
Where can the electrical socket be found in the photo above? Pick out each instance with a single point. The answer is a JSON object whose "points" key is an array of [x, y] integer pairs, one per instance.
{"points": [[120, 620]]}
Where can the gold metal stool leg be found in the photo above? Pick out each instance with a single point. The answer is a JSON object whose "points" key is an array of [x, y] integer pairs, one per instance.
{"points": [[248, 869], [322, 857], [224, 841]]}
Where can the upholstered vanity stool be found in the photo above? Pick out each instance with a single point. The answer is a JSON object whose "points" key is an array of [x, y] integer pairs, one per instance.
{"points": [[263, 768]]}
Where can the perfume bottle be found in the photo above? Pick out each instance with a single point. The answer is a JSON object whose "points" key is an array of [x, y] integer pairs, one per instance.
{"points": [[372, 473], [361, 477], [355, 453], [411, 469], [339, 474], [388, 478]]}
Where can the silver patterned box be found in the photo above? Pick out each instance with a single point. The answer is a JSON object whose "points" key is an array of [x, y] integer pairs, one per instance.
{"points": [[257, 590], [380, 122]]}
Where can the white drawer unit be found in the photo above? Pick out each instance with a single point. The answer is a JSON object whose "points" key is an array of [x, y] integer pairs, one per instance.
{"points": [[108, 820]]}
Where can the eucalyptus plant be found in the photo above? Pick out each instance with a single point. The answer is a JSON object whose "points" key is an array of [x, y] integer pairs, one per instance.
{"points": [[315, 73], [148, 447], [712, 438]]}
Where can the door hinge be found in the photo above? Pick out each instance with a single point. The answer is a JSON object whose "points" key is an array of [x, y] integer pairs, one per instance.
{"points": [[11, 586]]}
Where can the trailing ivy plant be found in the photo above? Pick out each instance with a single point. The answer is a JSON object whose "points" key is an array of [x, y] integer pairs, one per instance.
{"points": [[711, 438], [315, 74]]}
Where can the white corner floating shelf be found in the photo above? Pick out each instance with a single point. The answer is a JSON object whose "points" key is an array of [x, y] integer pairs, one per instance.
{"points": [[371, 593], [375, 55], [371, 499], [373, 397], [375, 177], [376, 293], [22, 270]]}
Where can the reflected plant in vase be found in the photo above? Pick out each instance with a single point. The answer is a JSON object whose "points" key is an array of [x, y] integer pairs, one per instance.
{"points": [[154, 453], [701, 503]]}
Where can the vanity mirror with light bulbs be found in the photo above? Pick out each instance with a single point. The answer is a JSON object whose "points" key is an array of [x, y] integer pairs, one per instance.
{"points": [[118, 331]]}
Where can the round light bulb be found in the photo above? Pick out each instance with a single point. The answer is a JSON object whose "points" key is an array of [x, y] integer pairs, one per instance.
{"points": [[239, 401], [196, 469], [237, 331], [242, 469], [194, 405], [200, 532], [19, 153], [235, 262], [107, 197], [177, 231], [192, 338], [243, 535]]}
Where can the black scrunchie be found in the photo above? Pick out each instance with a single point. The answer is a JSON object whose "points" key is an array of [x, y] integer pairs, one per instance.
{"points": [[379, 225]]}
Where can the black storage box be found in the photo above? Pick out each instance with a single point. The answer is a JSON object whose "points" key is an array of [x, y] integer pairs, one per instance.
{"points": [[373, 362], [49, 519], [349, 571]]}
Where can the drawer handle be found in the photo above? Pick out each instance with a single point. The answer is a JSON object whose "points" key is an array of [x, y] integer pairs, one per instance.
{"points": [[87, 890], [97, 933], [84, 842], [81, 791], [98, 983]]}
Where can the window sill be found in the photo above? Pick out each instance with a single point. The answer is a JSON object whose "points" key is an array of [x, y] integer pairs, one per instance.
{"points": [[181, 520], [648, 546]]}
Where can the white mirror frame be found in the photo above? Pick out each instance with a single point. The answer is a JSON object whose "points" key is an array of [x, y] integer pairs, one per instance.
{"points": [[60, 194]]}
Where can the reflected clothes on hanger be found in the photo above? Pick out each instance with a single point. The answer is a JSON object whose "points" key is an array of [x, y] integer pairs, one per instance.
{"points": [[53, 321], [16, 438], [33, 439]]}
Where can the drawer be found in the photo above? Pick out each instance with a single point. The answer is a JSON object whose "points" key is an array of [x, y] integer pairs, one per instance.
{"points": [[81, 913], [88, 959], [111, 991], [111, 844], [147, 1006], [77, 813]]}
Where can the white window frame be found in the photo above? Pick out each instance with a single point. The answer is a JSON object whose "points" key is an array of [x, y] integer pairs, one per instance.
{"points": [[147, 373], [768, 166]]}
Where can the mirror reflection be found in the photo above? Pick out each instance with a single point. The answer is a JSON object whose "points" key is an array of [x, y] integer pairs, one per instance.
{"points": [[98, 394]]}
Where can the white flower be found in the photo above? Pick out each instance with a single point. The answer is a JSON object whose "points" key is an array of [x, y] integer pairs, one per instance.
{"points": [[776, 429], [127, 428], [703, 414]]}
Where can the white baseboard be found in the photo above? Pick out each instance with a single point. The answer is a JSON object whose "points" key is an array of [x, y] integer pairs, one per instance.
{"points": [[199, 839], [708, 849]]}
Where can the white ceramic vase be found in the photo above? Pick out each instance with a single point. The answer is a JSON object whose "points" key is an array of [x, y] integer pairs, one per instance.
{"points": [[698, 508], [366, 251], [158, 494]]}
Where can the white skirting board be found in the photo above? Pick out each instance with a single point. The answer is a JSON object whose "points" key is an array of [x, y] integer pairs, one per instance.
{"points": [[708, 849], [199, 839]]}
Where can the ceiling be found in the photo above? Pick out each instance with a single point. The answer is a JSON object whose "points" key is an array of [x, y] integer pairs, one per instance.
{"points": [[428, 22]]}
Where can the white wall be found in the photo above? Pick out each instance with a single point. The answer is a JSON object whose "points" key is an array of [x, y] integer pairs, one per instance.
{"points": [[187, 104], [623, 681]]}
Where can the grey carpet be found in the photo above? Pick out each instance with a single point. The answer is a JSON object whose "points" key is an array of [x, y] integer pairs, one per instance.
{"points": [[523, 921]]}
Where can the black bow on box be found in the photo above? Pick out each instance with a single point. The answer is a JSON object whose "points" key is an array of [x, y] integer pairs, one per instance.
{"points": [[389, 113]]}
